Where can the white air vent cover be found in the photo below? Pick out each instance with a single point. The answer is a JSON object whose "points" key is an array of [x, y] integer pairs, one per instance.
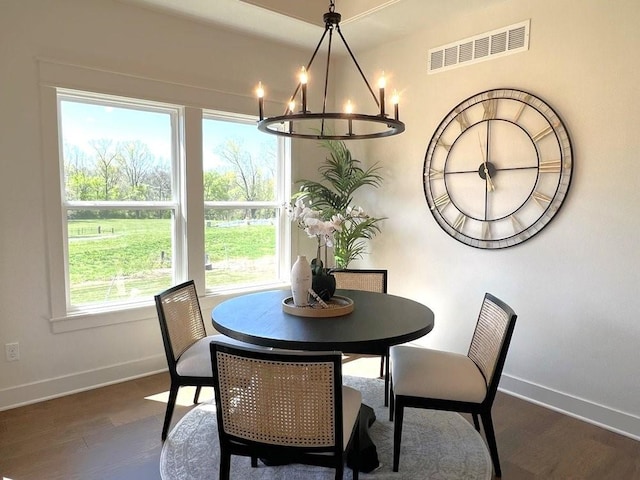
{"points": [[486, 46]]}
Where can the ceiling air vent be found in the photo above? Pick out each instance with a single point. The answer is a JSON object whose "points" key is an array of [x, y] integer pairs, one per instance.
{"points": [[486, 46]]}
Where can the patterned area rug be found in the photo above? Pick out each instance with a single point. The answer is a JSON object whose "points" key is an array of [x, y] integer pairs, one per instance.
{"points": [[435, 445]]}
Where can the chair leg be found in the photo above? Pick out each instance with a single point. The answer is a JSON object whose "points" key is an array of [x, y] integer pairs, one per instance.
{"points": [[356, 448], [386, 379], [382, 358], [392, 401], [397, 434], [225, 465], [254, 462], [476, 423], [197, 395], [339, 472], [173, 396], [487, 423]]}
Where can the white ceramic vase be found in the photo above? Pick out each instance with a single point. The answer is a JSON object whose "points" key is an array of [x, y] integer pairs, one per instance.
{"points": [[300, 281]]}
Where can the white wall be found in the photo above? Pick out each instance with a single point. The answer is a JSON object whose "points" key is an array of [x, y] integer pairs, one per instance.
{"points": [[574, 285], [38, 40]]}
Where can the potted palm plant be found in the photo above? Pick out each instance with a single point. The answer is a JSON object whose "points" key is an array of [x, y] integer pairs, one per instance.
{"points": [[325, 209]]}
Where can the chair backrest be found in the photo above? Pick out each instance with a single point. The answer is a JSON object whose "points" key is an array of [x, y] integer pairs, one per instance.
{"points": [[367, 280], [180, 318], [491, 340], [290, 399]]}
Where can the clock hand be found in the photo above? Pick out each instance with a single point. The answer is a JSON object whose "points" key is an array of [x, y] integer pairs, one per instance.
{"points": [[490, 186]]}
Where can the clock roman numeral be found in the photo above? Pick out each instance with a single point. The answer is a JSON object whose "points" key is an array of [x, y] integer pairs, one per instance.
{"points": [[543, 133], [550, 166], [490, 109], [540, 198], [459, 223], [440, 143], [434, 174], [441, 202], [517, 226], [521, 109], [462, 120], [486, 230]]}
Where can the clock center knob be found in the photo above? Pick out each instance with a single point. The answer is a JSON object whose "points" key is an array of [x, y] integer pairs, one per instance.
{"points": [[486, 167]]}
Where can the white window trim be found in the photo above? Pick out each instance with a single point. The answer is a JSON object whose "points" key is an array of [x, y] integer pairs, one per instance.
{"points": [[283, 230], [55, 75]]}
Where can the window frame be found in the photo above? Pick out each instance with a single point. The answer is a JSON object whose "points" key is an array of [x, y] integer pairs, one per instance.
{"points": [[193, 104], [178, 222], [282, 194]]}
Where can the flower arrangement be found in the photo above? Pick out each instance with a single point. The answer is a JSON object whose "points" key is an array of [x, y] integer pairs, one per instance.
{"points": [[325, 209], [314, 226]]}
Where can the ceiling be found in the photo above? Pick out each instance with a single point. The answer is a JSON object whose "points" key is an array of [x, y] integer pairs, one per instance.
{"points": [[365, 23]]}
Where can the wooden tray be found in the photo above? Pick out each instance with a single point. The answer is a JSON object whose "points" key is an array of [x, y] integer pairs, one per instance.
{"points": [[337, 306]]}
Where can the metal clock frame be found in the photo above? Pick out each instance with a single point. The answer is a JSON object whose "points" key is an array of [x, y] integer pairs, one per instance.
{"points": [[540, 207]]}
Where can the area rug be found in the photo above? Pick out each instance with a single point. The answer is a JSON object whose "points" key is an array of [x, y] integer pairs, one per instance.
{"points": [[435, 445]]}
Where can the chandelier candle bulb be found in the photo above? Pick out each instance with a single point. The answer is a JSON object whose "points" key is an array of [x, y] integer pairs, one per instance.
{"points": [[260, 94], [292, 107], [303, 82], [395, 99], [348, 109]]}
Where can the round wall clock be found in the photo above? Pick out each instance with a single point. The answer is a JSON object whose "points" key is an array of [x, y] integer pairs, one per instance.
{"points": [[497, 168]]}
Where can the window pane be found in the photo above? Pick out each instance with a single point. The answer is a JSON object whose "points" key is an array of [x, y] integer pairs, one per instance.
{"points": [[116, 150], [239, 162], [118, 255], [115, 153], [240, 247]]}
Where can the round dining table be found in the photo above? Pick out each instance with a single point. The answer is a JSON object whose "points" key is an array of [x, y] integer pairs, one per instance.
{"points": [[378, 321]]}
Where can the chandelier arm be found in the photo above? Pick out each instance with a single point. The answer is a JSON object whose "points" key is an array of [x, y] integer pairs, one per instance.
{"points": [[376, 126], [295, 92], [326, 79], [375, 99]]}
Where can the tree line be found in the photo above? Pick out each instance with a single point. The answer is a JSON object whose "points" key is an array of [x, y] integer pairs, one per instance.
{"points": [[129, 171]]}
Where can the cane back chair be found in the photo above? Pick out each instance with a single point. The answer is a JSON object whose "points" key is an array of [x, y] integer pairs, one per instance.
{"points": [[438, 380], [368, 281], [283, 407]]}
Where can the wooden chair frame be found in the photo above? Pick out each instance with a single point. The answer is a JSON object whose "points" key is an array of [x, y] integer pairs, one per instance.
{"points": [[333, 455], [369, 280], [179, 332], [483, 409]]}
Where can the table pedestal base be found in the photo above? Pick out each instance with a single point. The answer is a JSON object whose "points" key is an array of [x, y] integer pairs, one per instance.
{"points": [[368, 452]]}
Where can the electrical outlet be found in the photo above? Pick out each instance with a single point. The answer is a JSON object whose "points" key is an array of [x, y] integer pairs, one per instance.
{"points": [[12, 351]]}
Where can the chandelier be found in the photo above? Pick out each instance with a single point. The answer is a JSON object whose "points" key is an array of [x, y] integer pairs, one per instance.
{"points": [[300, 122]]}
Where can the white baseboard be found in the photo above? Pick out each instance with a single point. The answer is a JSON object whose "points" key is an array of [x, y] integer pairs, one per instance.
{"points": [[616, 421], [34, 392], [605, 417]]}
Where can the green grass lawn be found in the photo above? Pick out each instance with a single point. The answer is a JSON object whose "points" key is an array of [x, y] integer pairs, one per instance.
{"points": [[115, 259]]}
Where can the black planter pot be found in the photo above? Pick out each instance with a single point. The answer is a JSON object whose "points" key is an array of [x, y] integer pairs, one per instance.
{"points": [[324, 285]]}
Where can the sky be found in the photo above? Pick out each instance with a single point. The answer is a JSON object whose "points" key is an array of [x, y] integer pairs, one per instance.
{"points": [[82, 122]]}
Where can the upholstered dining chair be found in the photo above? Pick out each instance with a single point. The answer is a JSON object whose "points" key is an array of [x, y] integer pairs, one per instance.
{"points": [[439, 380], [186, 343], [284, 407], [368, 281]]}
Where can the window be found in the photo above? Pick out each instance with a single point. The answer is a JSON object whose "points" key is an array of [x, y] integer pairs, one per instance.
{"points": [[135, 216], [120, 198], [242, 204]]}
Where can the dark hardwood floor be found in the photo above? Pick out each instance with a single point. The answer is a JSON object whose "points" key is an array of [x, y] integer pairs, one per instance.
{"points": [[114, 433]]}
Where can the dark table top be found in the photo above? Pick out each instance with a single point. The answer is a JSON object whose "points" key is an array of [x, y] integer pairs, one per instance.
{"points": [[378, 321]]}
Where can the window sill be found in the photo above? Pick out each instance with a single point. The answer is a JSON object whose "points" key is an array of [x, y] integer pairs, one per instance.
{"points": [[86, 319]]}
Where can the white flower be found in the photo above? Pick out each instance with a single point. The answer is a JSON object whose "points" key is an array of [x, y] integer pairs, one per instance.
{"points": [[355, 212], [297, 210], [336, 222]]}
